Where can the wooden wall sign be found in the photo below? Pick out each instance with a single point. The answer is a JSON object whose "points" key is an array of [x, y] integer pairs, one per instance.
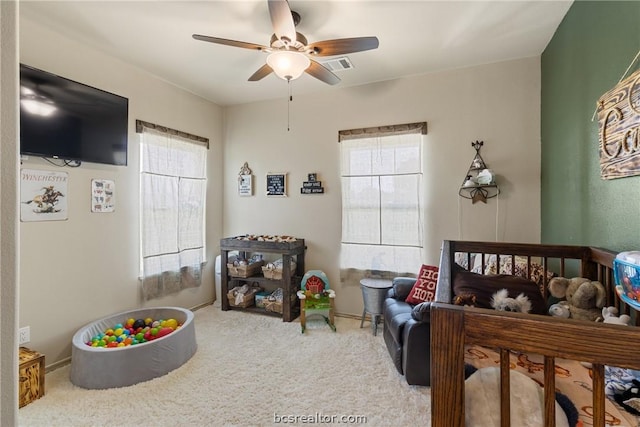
{"points": [[312, 185], [618, 127]]}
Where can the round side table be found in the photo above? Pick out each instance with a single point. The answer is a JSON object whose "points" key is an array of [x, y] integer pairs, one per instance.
{"points": [[373, 293]]}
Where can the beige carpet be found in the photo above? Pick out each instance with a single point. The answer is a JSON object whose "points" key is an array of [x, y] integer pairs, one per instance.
{"points": [[251, 370]]}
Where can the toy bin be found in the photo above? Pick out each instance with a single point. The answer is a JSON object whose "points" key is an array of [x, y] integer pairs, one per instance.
{"points": [[261, 297], [627, 278]]}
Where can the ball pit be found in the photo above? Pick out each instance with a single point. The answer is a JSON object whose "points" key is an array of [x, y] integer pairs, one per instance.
{"points": [[97, 367], [132, 332]]}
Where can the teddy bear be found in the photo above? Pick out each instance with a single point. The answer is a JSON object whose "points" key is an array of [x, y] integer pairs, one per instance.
{"points": [[502, 302], [584, 298]]}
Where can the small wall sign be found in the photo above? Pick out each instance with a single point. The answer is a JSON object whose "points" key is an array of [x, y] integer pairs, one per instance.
{"points": [[245, 187], [102, 195], [312, 185], [277, 184]]}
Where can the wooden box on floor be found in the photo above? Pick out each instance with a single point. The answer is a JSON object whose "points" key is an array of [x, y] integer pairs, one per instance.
{"points": [[31, 376]]}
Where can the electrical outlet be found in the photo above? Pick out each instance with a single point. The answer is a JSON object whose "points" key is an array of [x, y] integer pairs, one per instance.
{"points": [[24, 335]]}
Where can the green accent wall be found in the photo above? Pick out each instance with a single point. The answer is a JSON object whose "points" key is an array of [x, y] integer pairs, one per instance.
{"points": [[587, 56]]}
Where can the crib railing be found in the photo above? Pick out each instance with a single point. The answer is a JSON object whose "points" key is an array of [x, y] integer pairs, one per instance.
{"points": [[454, 327]]}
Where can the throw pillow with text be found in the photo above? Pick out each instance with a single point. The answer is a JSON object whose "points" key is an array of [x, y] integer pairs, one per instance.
{"points": [[425, 288]]}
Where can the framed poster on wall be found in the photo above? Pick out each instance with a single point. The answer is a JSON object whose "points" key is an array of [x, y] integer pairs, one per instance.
{"points": [[43, 195], [277, 184], [102, 195]]}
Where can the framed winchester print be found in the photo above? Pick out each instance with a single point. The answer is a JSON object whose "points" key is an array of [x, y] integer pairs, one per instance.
{"points": [[43, 195]]}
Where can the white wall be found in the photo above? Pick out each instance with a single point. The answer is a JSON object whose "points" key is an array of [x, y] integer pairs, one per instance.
{"points": [[497, 103], [84, 268]]}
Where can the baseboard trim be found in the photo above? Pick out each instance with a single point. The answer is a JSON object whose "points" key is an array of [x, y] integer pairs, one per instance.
{"points": [[57, 365]]}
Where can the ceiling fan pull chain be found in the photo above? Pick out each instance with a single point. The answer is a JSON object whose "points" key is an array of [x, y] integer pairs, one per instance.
{"points": [[289, 105]]}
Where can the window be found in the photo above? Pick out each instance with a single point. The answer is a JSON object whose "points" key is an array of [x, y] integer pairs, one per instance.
{"points": [[382, 219], [172, 209]]}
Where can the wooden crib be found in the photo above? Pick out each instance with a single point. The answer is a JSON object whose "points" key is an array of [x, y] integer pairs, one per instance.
{"points": [[454, 328]]}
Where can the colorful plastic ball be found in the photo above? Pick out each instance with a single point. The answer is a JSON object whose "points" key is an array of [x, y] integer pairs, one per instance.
{"points": [[109, 331], [112, 338], [155, 324], [139, 323], [139, 336], [118, 331], [130, 322], [171, 323], [164, 331], [148, 321], [154, 331]]}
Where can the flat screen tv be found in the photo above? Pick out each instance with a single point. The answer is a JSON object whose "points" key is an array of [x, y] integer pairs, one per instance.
{"points": [[64, 119]]}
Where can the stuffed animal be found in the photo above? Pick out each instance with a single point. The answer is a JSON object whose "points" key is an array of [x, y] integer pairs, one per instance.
{"points": [[560, 309], [502, 302], [585, 298], [610, 315]]}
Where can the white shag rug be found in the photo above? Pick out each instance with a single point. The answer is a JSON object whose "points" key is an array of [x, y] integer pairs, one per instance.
{"points": [[251, 370]]}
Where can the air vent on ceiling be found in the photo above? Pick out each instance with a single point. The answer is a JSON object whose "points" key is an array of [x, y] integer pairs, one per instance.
{"points": [[338, 64]]}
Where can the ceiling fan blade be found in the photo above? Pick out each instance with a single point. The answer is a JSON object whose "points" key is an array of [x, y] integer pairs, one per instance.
{"points": [[344, 46], [228, 42], [282, 20], [262, 72], [322, 73]]}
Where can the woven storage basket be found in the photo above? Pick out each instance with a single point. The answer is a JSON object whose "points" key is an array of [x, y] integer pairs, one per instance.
{"points": [[248, 299], [276, 306], [271, 273], [273, 270], [246, 270]]}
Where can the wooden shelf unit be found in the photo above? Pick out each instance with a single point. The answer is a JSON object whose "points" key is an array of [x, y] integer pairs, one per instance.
{"points": [[290, 282]]}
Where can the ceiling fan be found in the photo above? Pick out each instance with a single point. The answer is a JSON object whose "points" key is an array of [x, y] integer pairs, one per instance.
{"points": [[289, 52]]}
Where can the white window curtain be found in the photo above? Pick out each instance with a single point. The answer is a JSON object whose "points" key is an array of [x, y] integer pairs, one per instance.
{"points": [[382, 205], [172, 221]]}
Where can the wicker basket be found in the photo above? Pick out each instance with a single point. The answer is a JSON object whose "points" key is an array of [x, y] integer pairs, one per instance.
{"points": [[276, 306], [273, 270], [272, 273], [246, 270], [248, 299]]}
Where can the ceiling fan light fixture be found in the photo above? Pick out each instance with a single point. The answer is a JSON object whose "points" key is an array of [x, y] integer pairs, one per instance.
{"points": [[288, 65]]}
